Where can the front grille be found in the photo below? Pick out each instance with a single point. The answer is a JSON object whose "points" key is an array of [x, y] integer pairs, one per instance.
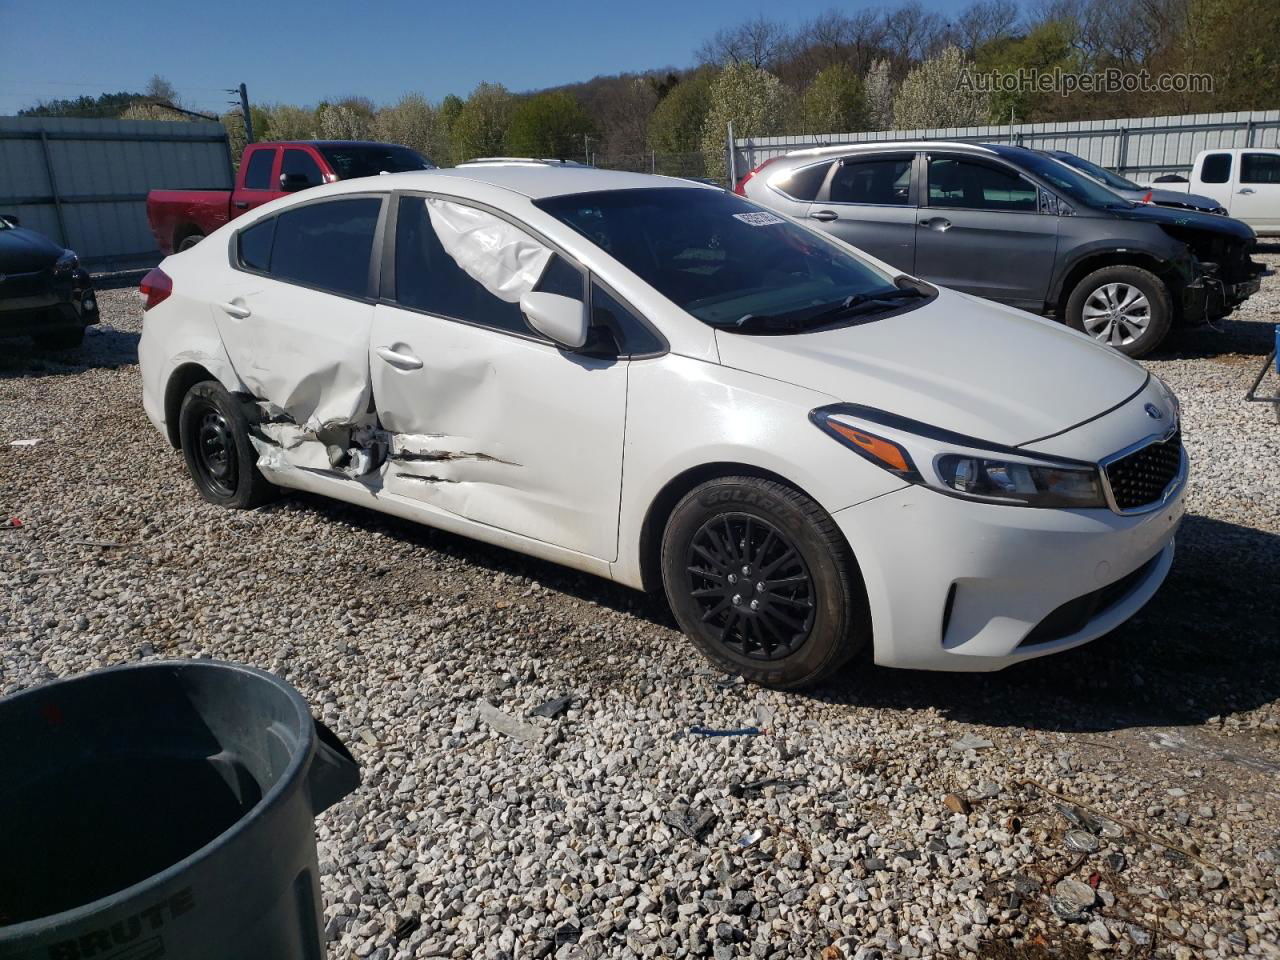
{"points": [[34, 284], [1142, 477]]}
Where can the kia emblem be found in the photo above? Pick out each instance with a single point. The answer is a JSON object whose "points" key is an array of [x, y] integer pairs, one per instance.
{"points": [[1153, 412]]}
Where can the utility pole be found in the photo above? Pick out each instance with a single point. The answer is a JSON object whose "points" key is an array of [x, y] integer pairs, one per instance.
{"points": [[586, 149], [243, 91]]}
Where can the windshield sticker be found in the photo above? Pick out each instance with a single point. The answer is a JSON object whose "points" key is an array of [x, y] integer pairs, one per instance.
{"points": [[758, 219]]}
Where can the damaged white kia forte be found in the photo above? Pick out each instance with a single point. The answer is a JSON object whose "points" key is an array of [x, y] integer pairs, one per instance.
{"points": [[664, 384]]}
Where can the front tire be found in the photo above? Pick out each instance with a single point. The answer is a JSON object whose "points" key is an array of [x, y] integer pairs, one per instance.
{"points": [[1125, 307], [214, 434], [760, 578]]}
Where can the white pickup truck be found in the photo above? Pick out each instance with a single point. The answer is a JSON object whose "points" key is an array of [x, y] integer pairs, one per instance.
{"points": [[1245, 181]]}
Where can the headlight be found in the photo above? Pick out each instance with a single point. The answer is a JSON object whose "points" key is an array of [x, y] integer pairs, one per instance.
{"points": [[1021, 483], [67, 262], [961, 466]]}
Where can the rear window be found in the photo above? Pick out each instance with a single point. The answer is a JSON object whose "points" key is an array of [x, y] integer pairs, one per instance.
{"points": [[1216, 169], [258, 174], [325, 245], [713, 254], [884, 180], [350, 161], [804, 183]]}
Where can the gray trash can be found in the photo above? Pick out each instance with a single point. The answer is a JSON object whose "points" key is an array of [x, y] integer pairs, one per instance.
{"points": [[164, 810]]}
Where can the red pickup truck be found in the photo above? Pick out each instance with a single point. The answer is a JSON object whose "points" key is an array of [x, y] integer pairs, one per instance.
{"points": [[182, 218]]}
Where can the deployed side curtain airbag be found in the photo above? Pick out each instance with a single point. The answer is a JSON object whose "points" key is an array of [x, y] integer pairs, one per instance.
{"points": [[503, 259]]}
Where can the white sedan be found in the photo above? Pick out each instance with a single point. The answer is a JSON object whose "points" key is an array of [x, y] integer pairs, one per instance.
{"points": [[661, 383]]}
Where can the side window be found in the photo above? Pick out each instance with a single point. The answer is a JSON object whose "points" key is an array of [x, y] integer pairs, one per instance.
{"points": [[804, 183], [630, 335], [461, 262], [255, 245], [1216, 168], [1260, 168], [977, 186], [884, 180], [327, 245], [258, 174], [298, 163]]}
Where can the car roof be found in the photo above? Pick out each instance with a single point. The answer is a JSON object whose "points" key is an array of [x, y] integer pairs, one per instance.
{"points": [[533, 180]]}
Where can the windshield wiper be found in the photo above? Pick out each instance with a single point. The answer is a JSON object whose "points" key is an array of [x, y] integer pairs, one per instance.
{"points": [[852, 304]]}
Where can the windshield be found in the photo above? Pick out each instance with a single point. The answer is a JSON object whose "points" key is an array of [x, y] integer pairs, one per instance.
{"points": [[716, 256], [1112, 180], [350, 161], [1068, 181]]}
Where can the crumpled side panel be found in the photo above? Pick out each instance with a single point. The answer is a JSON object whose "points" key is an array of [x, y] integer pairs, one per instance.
{"points": [[311, 395], [505, 260]]}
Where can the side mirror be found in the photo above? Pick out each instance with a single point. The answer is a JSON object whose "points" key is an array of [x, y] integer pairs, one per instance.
{"points": [[293, 182], [10, 219], [562, 319]]}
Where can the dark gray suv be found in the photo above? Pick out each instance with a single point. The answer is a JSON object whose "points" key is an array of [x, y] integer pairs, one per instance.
{"points": [[1013, 225]]}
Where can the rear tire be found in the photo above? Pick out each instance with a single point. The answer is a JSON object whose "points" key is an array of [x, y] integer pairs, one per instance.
{"points": [[214, 434], [1124, 307], [60, 339], [189, 241], [760, 578]]}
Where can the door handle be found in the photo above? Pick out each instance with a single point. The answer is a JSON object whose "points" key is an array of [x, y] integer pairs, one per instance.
{"points": [[233, 309], [826, 216], [241, 204], [1246, 190], [937, 223], [402, 361]]}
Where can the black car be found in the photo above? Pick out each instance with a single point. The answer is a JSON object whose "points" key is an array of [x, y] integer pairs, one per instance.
{"points": [[1016, 226], [44, 292]]}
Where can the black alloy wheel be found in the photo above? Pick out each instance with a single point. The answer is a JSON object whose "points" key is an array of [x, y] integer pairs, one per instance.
{"points": [[752, 585], [762, 581]]}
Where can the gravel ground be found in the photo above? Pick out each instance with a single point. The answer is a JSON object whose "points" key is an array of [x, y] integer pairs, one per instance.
{"points": [[910, 815]]}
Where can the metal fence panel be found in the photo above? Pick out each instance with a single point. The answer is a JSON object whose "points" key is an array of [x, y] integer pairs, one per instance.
{"points": [[1142, 148], [84, 182]]}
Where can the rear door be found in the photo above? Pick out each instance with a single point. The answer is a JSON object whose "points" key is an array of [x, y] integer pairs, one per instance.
{"points": [[1256, 199], [490, 420], [1214, 176], [295, 310], [868, 201], [980, 229], [261, 180]]}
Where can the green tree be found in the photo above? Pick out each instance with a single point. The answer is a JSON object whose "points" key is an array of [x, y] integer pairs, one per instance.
{"points": [[285, 122], [103, 105], [754, 100], [675, 126], [1047, 46], [879, 92], [480, 129], [835, 102], [413, 122], [350, 118], [548, 125], [939, 93], [1238, 43]]}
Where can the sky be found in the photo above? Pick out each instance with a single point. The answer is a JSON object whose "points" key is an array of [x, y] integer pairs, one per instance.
{"points": [[302, 53]]}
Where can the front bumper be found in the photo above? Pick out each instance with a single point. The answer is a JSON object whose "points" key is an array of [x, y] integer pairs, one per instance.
{"points": [[35, 304], [958, 585], [1212, 294]]}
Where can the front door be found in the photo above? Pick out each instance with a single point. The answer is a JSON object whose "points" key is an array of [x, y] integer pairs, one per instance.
{"points": [[1256, 199], [488, 419], [980, 230], [867, 202]]}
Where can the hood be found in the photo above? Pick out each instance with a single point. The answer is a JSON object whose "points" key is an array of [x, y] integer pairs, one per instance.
{"points": [[1173, 198], [25, 251], [960, 363], [1194, 219]]}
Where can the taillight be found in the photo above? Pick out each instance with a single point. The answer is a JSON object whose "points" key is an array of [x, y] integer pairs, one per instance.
{"points": [[155, 288], [740, 188]]}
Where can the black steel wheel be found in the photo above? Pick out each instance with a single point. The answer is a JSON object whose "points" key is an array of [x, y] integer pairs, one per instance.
{"points": [[752, 585], [214, 433], [761, 579]]}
